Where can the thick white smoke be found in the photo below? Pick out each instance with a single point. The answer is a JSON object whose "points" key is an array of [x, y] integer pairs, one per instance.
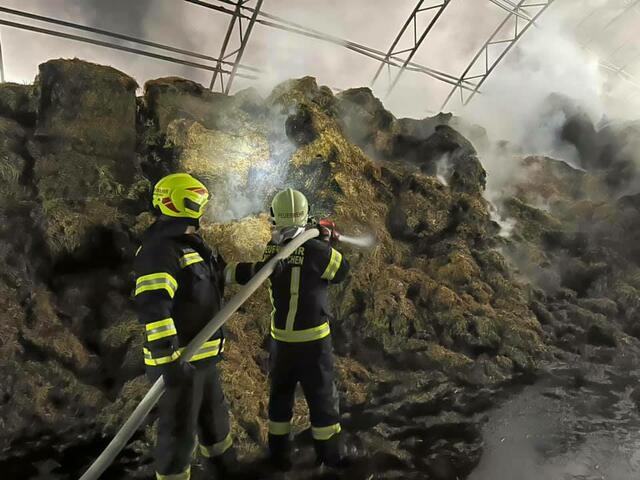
{"points": [[548, 59], [562, 55], [514, 104], [242, 200]]}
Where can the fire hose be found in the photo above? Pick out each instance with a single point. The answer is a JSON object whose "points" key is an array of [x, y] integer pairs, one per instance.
{"points": [[152, 397], [155, 392]]}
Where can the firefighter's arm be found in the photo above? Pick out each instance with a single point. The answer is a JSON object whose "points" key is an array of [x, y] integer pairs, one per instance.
{"points": [[241, 272], [334, 266], [156, 285]]}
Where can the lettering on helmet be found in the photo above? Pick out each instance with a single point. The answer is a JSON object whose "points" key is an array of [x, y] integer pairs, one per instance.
{"points": [[291, 214]]}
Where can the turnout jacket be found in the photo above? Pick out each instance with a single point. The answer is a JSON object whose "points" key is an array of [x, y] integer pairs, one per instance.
{"points": [[299, 293], [179, 288]]}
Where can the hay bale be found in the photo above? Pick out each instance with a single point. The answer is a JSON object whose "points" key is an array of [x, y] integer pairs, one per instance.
{"points": [[91, 107]]}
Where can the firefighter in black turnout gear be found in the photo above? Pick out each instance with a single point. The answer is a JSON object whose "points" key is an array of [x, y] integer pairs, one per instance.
{"points": [[179, 288], [301, 347]]}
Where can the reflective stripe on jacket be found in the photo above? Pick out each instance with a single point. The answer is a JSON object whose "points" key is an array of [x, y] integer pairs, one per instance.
{"points": [[299, 294], [179, 288]]}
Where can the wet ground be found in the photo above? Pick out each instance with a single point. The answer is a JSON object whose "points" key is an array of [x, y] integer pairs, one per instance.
{"points": [[577, 423]]}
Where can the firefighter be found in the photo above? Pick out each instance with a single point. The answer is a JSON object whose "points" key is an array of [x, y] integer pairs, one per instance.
{"points": [[301, 347], [179, 288]]}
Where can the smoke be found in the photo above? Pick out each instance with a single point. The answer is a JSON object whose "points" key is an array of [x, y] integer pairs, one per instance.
{"points": [[560, 57], [128, 16], [549, 59], [506, 224], [238, 196], [444, 169], [162, 21], [551, 94], [514, 106]]}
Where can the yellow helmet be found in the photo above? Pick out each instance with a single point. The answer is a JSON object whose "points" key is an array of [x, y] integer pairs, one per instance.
{"points": [[180, 195], [290, 208]]}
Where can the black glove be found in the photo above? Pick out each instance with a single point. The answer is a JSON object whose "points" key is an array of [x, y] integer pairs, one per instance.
{"points": [[176, 373]]}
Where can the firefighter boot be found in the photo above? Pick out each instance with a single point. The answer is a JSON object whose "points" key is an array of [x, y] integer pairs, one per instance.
{"points": [[224, 466], [280, 452], [329, 453]]}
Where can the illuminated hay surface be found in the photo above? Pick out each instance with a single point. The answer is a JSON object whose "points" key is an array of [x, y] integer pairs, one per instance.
{"points": [[213, 155]]}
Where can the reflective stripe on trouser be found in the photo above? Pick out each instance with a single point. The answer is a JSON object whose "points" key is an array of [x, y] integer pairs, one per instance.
{"points": [[279, 428], [311, 364], [216, 449], [186, 475], [194, 407], [211, 348], [325, 433]]}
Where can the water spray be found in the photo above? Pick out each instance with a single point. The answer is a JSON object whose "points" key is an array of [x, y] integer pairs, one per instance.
{"points": [[366, 241], [328, 229]]}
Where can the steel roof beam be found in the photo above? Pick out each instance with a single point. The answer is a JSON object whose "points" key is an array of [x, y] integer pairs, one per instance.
{"points": [[244, 40], [513, 10], [223, 49], [235, 25], [280, 23], [488, 65], [613, 21], [627, 9], [620, 71], [115, 46], [119, 36], [413, 19]]}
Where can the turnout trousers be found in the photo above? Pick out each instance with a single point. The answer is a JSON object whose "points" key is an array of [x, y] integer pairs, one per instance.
{"points": [[192, 414], [310, 364]]}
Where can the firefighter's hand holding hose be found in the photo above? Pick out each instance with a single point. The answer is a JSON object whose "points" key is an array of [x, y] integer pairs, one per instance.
{"points": [[328, 231]]}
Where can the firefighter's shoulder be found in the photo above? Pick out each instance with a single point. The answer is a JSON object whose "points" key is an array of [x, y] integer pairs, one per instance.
{"points": [[319, 247], [316, 245], [325, 260], [157, 251]]}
